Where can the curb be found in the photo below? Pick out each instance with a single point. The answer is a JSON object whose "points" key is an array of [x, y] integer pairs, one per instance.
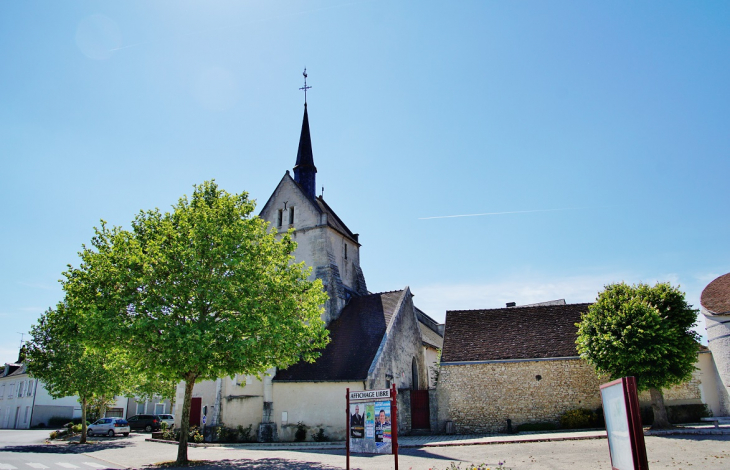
{"points": [[244, 445]]}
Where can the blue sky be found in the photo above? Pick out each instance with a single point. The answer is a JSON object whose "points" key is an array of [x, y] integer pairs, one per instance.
{"points": [[596, 131]]}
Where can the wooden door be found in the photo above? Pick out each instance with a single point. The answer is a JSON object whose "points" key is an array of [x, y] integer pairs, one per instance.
{"points": [[195, 407], [420, 416]]}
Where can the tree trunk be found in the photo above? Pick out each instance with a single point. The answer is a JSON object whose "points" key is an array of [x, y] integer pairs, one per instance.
{"points": [[182, 448], [83, 421], [660, 412], [102, 407]]}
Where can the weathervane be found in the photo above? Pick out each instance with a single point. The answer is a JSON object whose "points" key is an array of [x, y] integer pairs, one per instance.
{"points": [[305, 87]]}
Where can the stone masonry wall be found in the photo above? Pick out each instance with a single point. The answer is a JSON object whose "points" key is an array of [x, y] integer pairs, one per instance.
{"points": [[481, 397]]}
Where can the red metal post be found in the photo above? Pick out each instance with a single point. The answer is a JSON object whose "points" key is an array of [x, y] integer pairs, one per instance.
{"points": [[347, 427], [394, 424]]}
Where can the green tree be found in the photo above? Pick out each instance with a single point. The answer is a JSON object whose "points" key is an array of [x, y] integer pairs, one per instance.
{"points": [[201, 292], [645, 332], [59, 355]]}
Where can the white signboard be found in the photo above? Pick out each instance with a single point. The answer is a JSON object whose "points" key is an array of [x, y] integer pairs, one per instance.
{"points": [[370, 395]]}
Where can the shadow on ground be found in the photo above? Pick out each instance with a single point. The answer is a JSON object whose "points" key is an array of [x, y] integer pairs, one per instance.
{"points": [[268, 464], [286, 464], [72, 448]]}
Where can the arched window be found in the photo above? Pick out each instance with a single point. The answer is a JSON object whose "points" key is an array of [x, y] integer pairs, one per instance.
{"points": [[414, 374]]}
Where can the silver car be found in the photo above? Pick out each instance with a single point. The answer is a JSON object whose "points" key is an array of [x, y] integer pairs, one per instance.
{"points": [[110, 427], [169, 419]]}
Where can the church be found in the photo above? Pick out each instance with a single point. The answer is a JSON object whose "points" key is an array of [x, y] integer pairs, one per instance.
{"points": [[376, 339]]}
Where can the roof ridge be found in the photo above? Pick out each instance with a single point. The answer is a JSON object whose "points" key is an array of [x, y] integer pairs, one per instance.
{"points": [[521, 308]]}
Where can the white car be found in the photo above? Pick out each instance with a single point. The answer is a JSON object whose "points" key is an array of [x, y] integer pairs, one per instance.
{"points": [[169, 419], [109, 427]]}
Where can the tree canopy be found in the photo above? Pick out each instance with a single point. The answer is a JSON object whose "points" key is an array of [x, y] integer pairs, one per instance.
{"points": [[641, 331], [59, 355], [201, 292]]}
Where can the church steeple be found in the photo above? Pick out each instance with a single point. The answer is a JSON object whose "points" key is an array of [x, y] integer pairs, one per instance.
{"points": [[305, 173]]}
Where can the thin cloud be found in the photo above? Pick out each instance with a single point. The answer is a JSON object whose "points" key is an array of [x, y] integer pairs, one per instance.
{"points": [[497, 213]]}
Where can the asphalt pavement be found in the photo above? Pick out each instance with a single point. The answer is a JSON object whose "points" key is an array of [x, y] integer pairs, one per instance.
{"points": [[699, 447]]}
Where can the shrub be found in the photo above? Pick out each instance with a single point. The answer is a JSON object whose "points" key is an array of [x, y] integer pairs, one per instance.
{"points": [[57, 422], [578, 419], [170, 435], [53, 435], [194, 435], [163, 426], [301, 432], [537, 427], [319, 436], [244, 434], [677, 414], [76, 428]]}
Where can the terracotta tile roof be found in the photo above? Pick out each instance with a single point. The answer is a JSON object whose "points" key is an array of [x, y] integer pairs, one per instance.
{"points": [[716, 296], [355, 339], [512, 333]]}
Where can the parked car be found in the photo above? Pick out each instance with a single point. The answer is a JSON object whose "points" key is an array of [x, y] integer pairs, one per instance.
{"points": [[110, 427], [145, 422], [169, 419]]}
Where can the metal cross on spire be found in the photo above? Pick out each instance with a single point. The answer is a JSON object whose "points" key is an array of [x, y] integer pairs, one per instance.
{"points": [[305, 87]]}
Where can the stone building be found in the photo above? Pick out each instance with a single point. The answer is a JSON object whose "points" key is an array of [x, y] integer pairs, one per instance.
{"points": [[521, 364], [377, 339], [715, 306]]}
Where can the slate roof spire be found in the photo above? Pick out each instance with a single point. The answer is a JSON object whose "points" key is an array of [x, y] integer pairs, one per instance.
{"points": [[305, 173]]}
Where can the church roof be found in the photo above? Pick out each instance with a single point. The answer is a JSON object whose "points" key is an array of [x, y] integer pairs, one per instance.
{"points": [[355, 338], [715, 297], [305, 157], [319, 204], [431, 331], [334, 221], [545, 331]]}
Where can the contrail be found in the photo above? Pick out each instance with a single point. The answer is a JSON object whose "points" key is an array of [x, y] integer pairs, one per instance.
{"points": [[495, 213]]}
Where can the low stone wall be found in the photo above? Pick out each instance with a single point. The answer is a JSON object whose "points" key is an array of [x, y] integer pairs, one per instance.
{"points": [[482, 397]]}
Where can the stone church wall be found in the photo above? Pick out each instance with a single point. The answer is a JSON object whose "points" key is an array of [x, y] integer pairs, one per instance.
{"points": [[482, 397], [393, 364], [318, 245]]}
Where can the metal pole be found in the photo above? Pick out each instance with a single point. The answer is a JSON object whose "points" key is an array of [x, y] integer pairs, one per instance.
{"points": [[394, 424], [347, 427]]}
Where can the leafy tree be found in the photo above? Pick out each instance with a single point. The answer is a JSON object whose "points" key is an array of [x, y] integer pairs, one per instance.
{"points": [[645, 332], [201, 292], [58, 355]]}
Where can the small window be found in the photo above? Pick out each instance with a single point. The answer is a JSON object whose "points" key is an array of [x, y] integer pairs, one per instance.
{"points": [[345, 250], [21, 388], [25, 418], [159, 408], [30, 388], [140, 408], [291, 215], [280, 217]]}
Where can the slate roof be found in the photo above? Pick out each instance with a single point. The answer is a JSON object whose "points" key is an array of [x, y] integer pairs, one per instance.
{"points": [[512, 333], [716, 296], [305, 158], [431, 334], [355, 338], [333, 220], [13, 369]]}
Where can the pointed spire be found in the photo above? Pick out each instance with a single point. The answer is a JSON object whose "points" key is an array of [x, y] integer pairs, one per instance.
{"points": [[305, 173]]}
